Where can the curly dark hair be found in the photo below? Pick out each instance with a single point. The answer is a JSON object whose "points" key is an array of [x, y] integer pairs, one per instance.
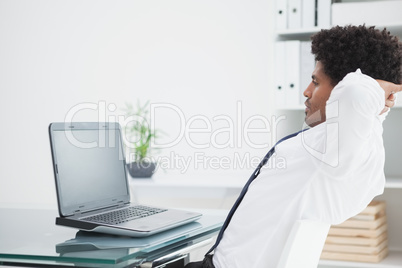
{"points": [[342, 50]]}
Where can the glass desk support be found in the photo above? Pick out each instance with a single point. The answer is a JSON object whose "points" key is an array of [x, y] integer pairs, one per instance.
{"points": [[31, 238]]}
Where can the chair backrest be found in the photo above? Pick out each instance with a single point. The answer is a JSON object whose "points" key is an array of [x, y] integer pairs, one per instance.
{"points": [[304, 245]]}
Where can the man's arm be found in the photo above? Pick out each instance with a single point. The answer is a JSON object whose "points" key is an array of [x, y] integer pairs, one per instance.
{"points": [[352, 118]]}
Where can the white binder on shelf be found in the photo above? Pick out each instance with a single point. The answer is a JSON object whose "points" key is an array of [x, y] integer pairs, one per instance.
{"points": [[281, 15], [292, 63], [351, 13], [294, 14], [308, 14], [307, 65], [324, 13], [280, 73]]}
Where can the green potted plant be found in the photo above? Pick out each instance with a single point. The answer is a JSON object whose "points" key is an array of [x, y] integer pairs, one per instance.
{"points": [[138, 136]]}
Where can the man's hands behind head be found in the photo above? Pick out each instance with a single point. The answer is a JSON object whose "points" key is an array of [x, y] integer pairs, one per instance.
{"points": [[390, 89]]}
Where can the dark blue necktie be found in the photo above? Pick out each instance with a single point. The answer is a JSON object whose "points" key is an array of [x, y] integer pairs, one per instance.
{"points": [[245, 188]]}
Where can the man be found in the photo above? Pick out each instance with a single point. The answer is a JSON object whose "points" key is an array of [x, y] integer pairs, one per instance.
{"points": [[334, 169]]}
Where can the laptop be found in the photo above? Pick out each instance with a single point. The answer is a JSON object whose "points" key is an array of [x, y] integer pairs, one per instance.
{"points": [[92, 187]]}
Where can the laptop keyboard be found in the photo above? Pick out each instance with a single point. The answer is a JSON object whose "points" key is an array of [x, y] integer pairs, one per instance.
{"points": [[124, 215]]}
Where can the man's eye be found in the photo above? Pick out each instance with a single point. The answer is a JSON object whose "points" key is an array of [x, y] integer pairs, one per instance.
{"points": [[315, 83]]}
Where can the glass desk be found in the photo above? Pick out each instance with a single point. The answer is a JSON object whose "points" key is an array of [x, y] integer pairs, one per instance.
{"points": [[31, 238]]}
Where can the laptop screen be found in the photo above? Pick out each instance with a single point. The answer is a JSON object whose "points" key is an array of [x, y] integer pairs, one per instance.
{"points": [[89, 166]]}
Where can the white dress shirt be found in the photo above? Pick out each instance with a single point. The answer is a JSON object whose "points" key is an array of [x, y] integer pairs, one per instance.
{"points": [[328, 173]]}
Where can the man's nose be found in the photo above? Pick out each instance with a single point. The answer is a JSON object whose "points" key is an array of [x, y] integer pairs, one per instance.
{"points": [[308, 91]]}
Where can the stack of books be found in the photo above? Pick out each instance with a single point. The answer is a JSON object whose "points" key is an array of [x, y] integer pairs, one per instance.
{"points": [[362, 238]]}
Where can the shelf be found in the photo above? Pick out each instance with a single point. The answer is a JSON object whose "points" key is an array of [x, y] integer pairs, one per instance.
{"points": [[298, 32], [394, 28], [393, 260], [393, 183]]}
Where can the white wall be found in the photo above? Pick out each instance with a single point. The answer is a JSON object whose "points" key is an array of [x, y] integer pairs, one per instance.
{"points": [[200, 56]]}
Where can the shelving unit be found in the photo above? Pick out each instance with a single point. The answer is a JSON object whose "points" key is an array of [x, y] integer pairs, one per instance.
{"points": [[393, 197], [393, 167], [394, 260]]}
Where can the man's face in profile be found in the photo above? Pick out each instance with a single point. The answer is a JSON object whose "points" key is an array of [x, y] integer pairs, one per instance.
{"points": [[317, 94]]}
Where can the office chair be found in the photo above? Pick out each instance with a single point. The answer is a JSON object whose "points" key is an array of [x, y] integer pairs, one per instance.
{"points": [[304, 245]]}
